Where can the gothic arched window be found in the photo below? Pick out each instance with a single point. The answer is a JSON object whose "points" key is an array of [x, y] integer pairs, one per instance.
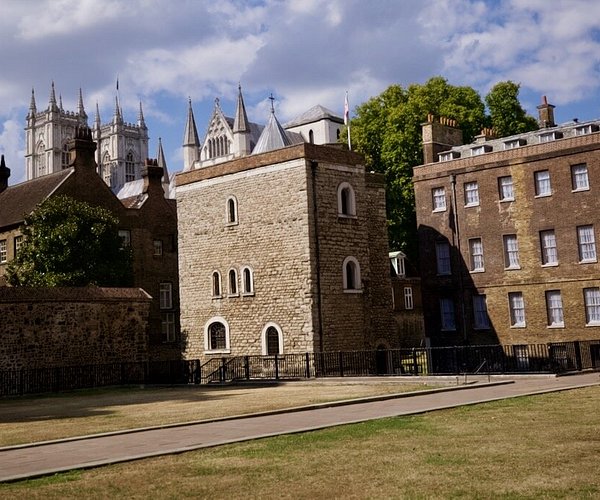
{"points": [[40, 160], [129, 168], [65, 155]]}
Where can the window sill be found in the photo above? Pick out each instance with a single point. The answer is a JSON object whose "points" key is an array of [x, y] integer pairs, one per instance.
{"points": [[232, 295], [435, 210], [506, 200], [471, 205], [218, 351], [353, 290], [248, 294], [519, 325], [551, 264], [476, 271], [217, 297], [543, 195], [512, 268], [588, 261], [593, 324], [231, 224], [580, 190], [561, 325], [347, 216]]}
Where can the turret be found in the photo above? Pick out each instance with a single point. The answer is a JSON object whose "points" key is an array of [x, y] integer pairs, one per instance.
{"points": [[80, 109], [191, 143], [117, 117], [162, 163], [32, 107], [52, 106], [141, 121], [241, 128]]}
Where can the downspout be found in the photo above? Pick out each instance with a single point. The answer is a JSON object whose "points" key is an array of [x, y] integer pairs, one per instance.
{"points": [[461, 286], [313, 170]]}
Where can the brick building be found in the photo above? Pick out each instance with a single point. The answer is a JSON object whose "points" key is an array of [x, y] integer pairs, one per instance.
{"points": [[507, 233], [284, 251], [148, 222]]}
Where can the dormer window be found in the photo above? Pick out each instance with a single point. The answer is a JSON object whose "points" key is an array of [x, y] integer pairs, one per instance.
{"points": [[514, 143], [398, 265], [552, 136], [448, 156], [479, 150], [586, 129]]}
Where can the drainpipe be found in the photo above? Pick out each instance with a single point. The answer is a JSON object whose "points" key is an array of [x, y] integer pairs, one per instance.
{"points": [[313, 169], [461, 286]]}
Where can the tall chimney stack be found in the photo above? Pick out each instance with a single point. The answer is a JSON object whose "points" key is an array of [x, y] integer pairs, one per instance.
{"points": [[546, 114]]}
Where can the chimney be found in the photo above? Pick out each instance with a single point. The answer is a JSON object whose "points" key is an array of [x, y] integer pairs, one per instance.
{"points": [[439, 134], [152, 175], [546, 114], [82, 148], [4, 175]]}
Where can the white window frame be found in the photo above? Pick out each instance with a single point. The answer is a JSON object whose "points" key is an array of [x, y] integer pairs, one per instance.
{"points": [[481, 320], [263, 336], [3, 252], [125, 235], [17, 244], [516, 309], [166, 295], [586, 244], [591, 298], [231, 211], [167, 326], [442, 258], [438, 198], [247, 284], [447, 315], [471, 194], [477, 150], [506, 188], [579, 177], [511, 251], [356, 275], [216, 285], [549, 248], [207, 349], [554, 308], [512, 144], [346, 191], [543, 185], [476, 255], [409, 302]]}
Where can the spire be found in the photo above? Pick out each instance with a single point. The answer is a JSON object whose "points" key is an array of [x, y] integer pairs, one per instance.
{"points": [[141, 122], [60, 106], [4, 174], [52, 104], [97, 119], [190, 136], [117, 118], [273, 135], [241, 123], [162, 163], [32, 106], [80, 109]]}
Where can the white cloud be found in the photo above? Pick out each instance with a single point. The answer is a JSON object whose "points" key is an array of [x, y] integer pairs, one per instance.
{"points": [[12, 147]]}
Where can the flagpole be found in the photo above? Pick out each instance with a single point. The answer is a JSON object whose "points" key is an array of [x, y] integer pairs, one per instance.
{"points": [[347, 120]]}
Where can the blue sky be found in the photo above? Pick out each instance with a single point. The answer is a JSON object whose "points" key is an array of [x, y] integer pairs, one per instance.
{"points": [[305, 52]]}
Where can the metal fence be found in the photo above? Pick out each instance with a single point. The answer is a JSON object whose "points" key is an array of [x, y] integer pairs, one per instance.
{"points": [[557, 357]]}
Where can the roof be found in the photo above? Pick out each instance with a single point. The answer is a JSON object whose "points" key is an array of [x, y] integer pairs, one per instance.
{"points": [[18, 201], [135, 201], [273, 137], [314, 114]]}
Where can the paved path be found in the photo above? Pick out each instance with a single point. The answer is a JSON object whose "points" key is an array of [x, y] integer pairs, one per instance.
{"points": [[42, 459]]}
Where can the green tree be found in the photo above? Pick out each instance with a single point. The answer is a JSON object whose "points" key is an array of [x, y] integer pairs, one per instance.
{"points": [[507, 116], [70, 243]]}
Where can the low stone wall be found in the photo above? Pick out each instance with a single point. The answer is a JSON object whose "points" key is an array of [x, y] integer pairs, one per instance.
{"points": [[49, 327]]}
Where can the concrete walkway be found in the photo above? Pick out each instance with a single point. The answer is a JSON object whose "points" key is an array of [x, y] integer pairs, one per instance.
{"points": [[38, 459]]}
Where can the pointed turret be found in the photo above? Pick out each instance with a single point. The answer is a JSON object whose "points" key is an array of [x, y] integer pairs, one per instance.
{"points": [[80, 109], [273, 135], [141, 121], [117, 117], [97, 121], [4, 174], [162, 162], [32, 106], [241, 128], [60, 106], [191, 143], [52, 106]]}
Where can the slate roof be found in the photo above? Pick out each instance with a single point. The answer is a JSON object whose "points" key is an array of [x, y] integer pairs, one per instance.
{"points": [[20, 200], [314, 114], [273, 137]]}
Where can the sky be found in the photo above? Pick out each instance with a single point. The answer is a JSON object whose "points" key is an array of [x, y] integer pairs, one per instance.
{"points": [[304, 52]]}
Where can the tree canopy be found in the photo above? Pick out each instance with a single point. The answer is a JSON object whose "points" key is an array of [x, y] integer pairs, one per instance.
{"points": [[70, 243], [387, 130]]}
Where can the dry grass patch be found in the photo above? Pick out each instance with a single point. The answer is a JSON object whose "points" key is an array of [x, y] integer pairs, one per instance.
{"points": [[31, 419], [533, 447]]}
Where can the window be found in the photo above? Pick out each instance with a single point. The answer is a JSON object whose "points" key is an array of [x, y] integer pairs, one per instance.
{"points": [[311, 136], [398, 265], [514, 143], [554, 308], [439, 199], [129, 168], [346, 200], [167, 326], [447, 314], [549, 250], [158, 247], [232, 210], [552, 136], [511, 251], [125, 235], [233, 283], [591, 297], [65, 156], [166, 295], [351, 275], [408, 298], [579, 177], [480, 314], [471, 194], [586, 241], [542, 183], [3, 253], [40, 160], [216, 335], [516, 306], [476, 250], [505, 188], [216, 284], [247, 281], [442, 255], [272, 340], [18, 243], [521, 353], [478, 150], [106, 169]]}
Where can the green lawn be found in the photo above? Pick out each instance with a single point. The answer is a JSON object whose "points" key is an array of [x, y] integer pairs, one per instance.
{"points": [[534, 447]]}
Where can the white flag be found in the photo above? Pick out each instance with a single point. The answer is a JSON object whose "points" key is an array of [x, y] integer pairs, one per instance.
{"points": [[346, 110]]}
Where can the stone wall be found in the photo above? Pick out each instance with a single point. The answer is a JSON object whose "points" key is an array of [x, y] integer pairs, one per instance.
{"points": [[52, 327]]}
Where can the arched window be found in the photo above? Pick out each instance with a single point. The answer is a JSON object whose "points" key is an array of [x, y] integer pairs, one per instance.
{"points": [[216, 335], [272, 339], [346, 200], [247, 281], [351, 275], [338, 134], [216, 284], [65, 155], [106, 169], [40, 160], [311, 136], [233, 283], [231, 208], [129, 168]]}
